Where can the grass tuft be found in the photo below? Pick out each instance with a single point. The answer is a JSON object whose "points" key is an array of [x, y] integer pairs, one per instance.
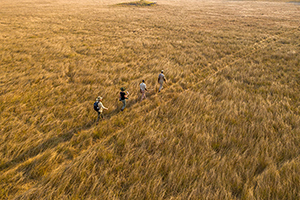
{"points": [[140, 3]]}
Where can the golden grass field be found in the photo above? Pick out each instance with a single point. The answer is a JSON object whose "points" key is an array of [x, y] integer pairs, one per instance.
{"points": [[225, 126]]}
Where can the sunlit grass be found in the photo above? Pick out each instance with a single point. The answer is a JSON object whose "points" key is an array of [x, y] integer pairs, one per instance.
{"points": [[225, 126]]}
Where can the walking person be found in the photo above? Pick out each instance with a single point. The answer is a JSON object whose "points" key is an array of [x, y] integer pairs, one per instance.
{"points": [[123, 97], [161, 80], [98, 106], [143, 90]]}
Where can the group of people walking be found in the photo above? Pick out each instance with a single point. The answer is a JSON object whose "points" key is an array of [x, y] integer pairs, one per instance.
{"points": [[98, 105]]}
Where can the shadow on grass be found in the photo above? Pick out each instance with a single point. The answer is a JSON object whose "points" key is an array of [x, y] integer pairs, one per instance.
{"points": [[129, 103], [65, 137], [140, 3], [42, 147]]}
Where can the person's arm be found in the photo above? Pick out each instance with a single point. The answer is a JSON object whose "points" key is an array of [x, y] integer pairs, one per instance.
{"points": [[102, 106]]}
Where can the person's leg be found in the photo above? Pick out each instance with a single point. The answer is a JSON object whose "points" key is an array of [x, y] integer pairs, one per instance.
{"points": [[143, 95], [101, 115], [124, 104], [161, 86], [98, 116]]}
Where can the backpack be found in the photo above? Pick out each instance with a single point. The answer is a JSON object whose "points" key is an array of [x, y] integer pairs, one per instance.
{"points": [[96, 106]]}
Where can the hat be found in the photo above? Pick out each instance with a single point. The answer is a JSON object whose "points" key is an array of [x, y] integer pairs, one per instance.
{"points": [[162, 71], [99, 98], [122, 89]]}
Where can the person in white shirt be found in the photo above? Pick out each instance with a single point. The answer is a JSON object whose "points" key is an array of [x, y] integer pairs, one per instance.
{"points": [[100, 108], [143, 90], [161, 80]]}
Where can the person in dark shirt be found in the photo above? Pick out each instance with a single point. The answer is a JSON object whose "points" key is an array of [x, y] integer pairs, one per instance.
{"points": [[123, 97]]}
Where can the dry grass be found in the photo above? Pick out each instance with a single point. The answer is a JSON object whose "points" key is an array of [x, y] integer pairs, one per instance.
{"points": [[226, 126], [140, 3]]}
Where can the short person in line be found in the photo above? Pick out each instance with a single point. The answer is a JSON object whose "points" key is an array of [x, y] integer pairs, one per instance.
{"points": [[98, 107]]}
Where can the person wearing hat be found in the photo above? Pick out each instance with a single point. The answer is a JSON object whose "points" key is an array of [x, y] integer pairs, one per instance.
{"points": [[161, 80], [123, 97], [143, 90], [98, 106]]}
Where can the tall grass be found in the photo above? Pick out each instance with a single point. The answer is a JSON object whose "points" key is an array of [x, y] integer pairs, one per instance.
{"points": [[225, 126]]}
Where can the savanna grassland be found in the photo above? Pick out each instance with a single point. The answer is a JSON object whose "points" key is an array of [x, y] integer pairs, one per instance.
{"points": [[225, 126]]}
